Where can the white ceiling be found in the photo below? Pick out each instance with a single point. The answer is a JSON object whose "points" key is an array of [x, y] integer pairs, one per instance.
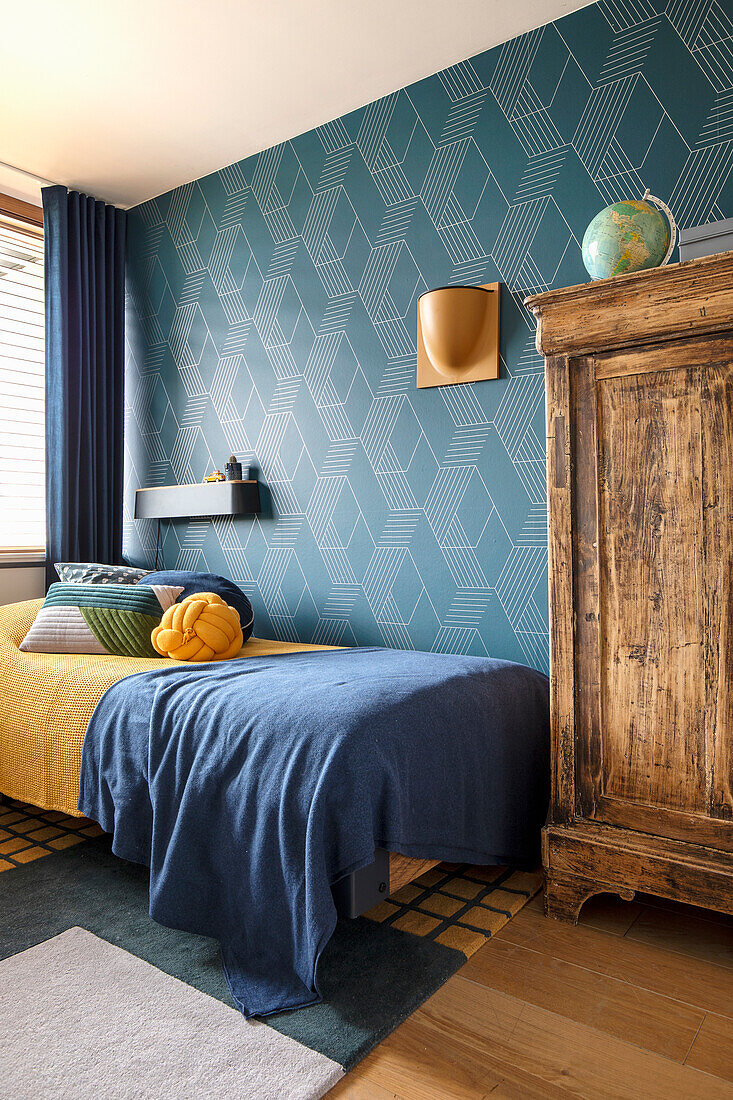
{"points": [[127, 100]]}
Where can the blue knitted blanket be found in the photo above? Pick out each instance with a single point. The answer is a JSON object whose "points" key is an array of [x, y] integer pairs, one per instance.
{"points": [[249, 787]]}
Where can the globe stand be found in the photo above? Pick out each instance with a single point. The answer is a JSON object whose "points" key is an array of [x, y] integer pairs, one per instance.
{"points": [[648, 197]]}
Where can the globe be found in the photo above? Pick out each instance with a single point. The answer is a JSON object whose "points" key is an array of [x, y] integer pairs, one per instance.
{"points": [[628, 236]]}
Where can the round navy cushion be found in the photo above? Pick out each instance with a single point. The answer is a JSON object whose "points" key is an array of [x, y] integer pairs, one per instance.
{"points": [[192, 582]]}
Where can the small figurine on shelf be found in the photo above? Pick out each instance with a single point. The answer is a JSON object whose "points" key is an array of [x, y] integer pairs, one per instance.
{"points": [[233, 469], [217, 475]]}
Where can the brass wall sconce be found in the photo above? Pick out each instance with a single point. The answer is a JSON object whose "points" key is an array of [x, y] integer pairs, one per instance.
{"points": [[457, 335]]}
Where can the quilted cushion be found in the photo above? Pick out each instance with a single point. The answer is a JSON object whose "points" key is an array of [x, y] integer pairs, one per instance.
{"points": [[99, 618], [90, 572], [192, 582], [199, 628]]}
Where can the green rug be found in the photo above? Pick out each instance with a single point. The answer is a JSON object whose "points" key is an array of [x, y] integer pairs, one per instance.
{"points": [[373, 974]]}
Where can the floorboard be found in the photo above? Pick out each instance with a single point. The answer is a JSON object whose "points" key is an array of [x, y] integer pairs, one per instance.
{"points": [[637, 1000], [687, 935], [643, 965], [712, 1050], [506, 1032], [422, 1062], [355, 1087], [608, 1004]]}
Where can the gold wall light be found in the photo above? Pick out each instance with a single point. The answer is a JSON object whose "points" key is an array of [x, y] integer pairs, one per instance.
{"points": [[457, 335]]}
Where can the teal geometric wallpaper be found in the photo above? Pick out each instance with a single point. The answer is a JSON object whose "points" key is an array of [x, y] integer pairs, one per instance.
{"points": [[272, 313]]}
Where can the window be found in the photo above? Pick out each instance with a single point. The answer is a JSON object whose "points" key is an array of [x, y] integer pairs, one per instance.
{"points": [[22, 424]]}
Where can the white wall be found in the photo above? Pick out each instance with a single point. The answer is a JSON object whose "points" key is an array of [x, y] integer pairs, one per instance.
{"points": [[23, 582]]}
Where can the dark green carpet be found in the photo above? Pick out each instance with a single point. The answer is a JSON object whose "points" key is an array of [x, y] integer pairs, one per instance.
{"points": [[372, 976]]}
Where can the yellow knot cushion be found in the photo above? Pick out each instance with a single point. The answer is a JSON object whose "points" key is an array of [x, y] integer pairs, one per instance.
{"points": [[200, 628]]}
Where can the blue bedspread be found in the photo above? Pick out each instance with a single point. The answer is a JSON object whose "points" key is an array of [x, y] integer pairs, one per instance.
{"points": [[248, 787]]}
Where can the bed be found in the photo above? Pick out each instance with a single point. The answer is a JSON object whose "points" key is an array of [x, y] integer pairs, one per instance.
{"points": [[47, 701], [267, 792]]}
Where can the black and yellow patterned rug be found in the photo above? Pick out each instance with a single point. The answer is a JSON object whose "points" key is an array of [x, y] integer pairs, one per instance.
{"points": [[377, 969], [27, 833], [458, 905]]}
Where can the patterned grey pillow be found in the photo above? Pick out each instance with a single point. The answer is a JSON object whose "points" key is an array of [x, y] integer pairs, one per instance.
{"points": [[88, 572]]}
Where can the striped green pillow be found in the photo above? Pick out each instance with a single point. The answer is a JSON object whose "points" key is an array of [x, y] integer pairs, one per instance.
{"points": [[100, 618]]}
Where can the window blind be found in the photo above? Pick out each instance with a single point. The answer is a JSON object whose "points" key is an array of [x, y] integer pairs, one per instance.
{"points": [[22, 420]]}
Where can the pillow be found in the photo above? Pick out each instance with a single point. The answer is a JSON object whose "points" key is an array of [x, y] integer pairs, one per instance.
{"points": [[88, 572], [209, 582], [200, 628], [99, 618]]}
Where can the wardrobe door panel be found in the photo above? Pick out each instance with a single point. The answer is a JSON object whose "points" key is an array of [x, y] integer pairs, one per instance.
{"points": [[652, 657]]}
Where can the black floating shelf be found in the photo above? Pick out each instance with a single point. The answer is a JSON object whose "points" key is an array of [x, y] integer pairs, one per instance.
{"points": [[209, 498]]}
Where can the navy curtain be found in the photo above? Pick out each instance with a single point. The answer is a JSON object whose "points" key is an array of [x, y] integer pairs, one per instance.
{"points": [[85, 293]]}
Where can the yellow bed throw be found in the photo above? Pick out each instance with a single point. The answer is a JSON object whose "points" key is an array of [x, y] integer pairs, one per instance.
{"points": [[47, 699]]}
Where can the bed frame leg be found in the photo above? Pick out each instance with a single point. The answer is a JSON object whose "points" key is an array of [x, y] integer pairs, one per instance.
{"points": [[363, 889]]}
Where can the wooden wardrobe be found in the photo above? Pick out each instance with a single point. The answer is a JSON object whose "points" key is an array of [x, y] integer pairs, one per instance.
{"points": [[640, 482]]}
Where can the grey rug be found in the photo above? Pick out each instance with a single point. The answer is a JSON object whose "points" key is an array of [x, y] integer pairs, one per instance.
{"points": [[86, 1019], [372, 976]]}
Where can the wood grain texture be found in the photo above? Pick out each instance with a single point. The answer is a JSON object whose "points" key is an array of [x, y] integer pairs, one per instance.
{"points": [[420, 1064], [601, 1001], [587, 613], [645, 307], [712, 1050], [403, 869], [648, 962], [507, 1032], [559, 1032], [688, 935], [640, 489], [462, 1070], [648, 359], [660, 821], [649, 569], [566, 893], [585, 858], [357, 1087], [717, 582], [562, 692]]}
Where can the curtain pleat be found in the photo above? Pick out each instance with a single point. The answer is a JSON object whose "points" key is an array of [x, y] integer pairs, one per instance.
{"points": [[85, 303]]}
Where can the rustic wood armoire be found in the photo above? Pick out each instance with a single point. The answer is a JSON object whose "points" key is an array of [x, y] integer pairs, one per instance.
{"points": [[639, 376]]}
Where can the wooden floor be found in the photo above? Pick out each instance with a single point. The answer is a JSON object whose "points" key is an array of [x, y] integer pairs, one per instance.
{"points": [[636, 1001]]}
